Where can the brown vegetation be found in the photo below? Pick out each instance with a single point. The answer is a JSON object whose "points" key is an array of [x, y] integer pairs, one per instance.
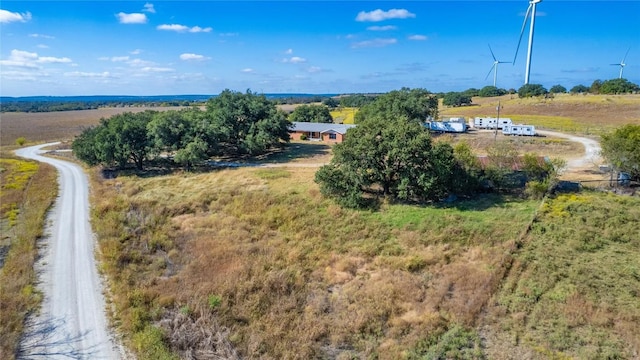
{"points": [[22, 225], [57, 125]]}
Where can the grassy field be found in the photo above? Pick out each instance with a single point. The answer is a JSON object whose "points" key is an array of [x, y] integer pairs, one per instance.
{"points": [[585, 114], [258, 258], [282, 273], [344, 115], [27, 189]]}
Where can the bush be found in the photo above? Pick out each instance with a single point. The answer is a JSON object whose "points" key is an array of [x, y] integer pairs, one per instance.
{"points": [[530, 90], [303, 137], [214, 301], [21, 141], [536, 189]]}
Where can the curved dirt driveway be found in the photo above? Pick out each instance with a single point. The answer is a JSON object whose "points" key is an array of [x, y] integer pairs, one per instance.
{"points": [[72, 321], [591, 150]]}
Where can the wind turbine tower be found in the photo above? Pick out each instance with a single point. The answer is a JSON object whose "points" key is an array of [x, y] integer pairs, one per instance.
{"points": [[531, 10], [494, 68], [622, 64]]}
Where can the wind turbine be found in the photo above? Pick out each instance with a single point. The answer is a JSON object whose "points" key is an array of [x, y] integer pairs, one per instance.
{"points": [[494, 67], [530, 10], [622, 64]]}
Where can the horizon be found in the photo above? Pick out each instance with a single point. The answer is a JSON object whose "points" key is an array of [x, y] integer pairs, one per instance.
{"points": [[139, 48]]}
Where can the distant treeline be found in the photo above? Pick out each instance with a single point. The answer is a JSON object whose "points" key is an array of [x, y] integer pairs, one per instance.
{"points": [[67, 103], [47, 106]]}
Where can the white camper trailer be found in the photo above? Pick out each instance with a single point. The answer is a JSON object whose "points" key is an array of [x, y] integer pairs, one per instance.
{"points": [[520, 129], [446, 126], [490, 123]]}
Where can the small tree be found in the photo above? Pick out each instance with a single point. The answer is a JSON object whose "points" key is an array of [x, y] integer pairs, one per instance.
{"points": [[530, 90], [393, 157], [595, 87], [311, 113], [622, 149], [558, 89], [579, 89], [490, 91], [331, 103], [456, 99]]}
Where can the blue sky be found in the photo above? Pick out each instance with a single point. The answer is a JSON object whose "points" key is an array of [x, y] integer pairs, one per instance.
{"points": [[203, 47]]}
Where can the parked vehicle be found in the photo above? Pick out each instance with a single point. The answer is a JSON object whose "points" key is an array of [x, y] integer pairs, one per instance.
{"points": [[520, 129], [446, 126], [490, 123]]}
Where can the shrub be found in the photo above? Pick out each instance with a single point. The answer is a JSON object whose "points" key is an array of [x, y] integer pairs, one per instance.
{"points": [[303, 137], [214, 301], [21, 141]]}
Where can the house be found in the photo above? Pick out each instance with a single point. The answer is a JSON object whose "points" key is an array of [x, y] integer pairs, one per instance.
{"points": [[331, 133]]}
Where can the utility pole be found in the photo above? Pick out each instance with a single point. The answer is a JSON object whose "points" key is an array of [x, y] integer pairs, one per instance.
{"points": [[495, 135]]}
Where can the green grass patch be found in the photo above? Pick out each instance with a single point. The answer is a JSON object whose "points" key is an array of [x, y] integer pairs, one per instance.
{"points": [[272, 174], [578, 278]]}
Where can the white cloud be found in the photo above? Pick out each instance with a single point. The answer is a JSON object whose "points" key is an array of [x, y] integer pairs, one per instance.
{"points": [[183, 28], [173, 27], [247, 70], [380, 15], [8, 16], [29, 60], [197, 29], [53, 60], [229, 34], [417, 37], [42, 46], [140, 62], [314, 69], [294, 60], [289, 51], [374, 43], [41, 36], [119, 58], [156, 69], [189, 56], [148, 7], [133, 18], [83, 74], [136, 52], [381, 28]]}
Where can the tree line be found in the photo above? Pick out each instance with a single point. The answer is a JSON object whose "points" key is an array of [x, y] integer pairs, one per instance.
{"points": [[609, 87], [233, 124]]}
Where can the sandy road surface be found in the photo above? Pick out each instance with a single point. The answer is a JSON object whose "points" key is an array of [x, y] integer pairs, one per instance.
{"points": [[592, 150], [72, 322]]}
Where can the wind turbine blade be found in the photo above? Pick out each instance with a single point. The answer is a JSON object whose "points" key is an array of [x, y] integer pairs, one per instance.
{"points": [[490, 70], [492, 55], [524, 24], [625, 56]]}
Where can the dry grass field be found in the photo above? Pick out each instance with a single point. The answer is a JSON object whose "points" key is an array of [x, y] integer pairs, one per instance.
{"points": [[255, 260], [57, 125], [585, 114]]}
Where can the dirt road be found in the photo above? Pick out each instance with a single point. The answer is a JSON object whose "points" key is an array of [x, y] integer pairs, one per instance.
{"points": [[72, 322], [591, 155]]}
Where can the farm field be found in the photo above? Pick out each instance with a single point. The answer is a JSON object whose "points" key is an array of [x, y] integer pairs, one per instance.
{"points": [[584, 114], [57, 125]]}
